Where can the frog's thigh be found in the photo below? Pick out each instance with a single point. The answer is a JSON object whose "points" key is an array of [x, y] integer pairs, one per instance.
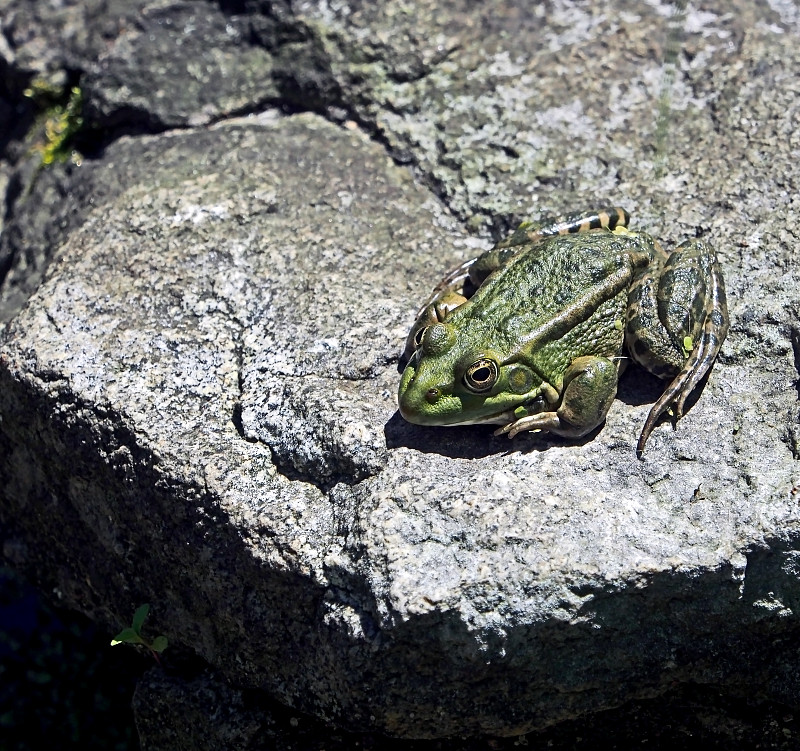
{"points": [[669, 310], [590, 385], [683, 288]]}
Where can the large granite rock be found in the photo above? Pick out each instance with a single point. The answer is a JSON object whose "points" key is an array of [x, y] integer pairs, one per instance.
{"points": [[198, 404]]}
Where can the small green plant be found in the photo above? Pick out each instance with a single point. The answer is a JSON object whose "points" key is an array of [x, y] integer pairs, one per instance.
{"points": [[133, 634], [63, 119]]}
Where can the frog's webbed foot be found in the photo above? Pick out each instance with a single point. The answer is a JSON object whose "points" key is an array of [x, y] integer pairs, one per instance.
{"points": [[674, 397], [713, 328], [590, 385]]}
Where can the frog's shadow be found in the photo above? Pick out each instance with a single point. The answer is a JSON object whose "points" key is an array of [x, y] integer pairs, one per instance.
{"points": [[637, 387], [469, 441]]}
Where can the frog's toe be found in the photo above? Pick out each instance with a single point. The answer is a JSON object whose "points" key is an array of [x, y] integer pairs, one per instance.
{"points": [[548, 421], [672, 400], [694, 370]]}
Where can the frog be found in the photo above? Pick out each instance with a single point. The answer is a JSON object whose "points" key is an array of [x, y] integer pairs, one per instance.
{"points": [[534, 333]]}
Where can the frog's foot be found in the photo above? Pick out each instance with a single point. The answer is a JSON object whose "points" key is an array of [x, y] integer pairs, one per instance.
{"points": [[590, 385], [674, 397], [704, 351], [548, 421]]}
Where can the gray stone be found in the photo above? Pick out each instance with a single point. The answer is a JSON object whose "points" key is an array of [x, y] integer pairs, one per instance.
{"points": [[43, 39], [39, 220], [198, 403], [183, 63]]}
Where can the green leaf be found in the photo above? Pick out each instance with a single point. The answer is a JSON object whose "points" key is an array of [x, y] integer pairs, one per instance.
{"points": [[159, 644], [139, 616], [127, 636]]}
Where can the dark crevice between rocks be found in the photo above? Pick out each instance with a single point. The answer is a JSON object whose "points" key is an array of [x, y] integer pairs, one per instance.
{"points": [[792, 434], [135, 122], [236, 419], [17, 115], [236, 413], [6, 257], [323, 482], [304, 77], [794, 336]]}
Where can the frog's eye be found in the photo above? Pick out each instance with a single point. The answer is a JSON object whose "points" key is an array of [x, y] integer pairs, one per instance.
{"points": [[481, 375]]}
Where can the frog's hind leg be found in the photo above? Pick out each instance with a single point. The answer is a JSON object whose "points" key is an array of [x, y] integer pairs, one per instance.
{"points": [[693, 308], [582, 221]]}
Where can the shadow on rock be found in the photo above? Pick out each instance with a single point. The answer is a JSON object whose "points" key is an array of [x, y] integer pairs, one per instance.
{"points": [[469, 441]]}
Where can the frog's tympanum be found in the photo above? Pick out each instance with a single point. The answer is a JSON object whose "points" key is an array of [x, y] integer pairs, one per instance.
{"points": [[530, 335]]}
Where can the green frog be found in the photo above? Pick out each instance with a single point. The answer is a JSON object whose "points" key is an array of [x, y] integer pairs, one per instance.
{"points": [[531, 334]]}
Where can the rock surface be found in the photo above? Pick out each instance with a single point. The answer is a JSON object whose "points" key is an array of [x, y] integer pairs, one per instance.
{"points": [[198, 403]]}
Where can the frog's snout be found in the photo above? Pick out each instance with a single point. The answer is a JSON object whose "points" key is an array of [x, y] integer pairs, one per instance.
{"points": [[419, 402]]}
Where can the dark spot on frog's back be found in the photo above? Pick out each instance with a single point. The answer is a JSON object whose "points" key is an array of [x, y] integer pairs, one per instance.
{"points": [[640, 348], [562, 297], [598, 272], [568, 266]]}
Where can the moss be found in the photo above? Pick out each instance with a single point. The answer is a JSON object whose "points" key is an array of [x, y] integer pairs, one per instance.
{"points": [[61, 120]]}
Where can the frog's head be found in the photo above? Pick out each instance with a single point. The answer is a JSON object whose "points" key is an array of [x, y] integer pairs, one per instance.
{"points": [[452, 381]]}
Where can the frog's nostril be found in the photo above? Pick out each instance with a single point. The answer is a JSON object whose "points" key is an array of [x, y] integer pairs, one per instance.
{"points": [[432, 396]]}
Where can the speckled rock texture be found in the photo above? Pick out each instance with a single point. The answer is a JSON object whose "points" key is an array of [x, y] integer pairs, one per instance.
{"points": [[198, 402]]}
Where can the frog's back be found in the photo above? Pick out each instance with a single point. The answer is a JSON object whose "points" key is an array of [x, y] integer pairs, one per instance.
{"points": [[533, 307]]}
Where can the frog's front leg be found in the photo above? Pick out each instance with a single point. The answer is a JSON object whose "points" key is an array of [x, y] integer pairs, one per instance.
{"points": [[590, 385], [677, 322]]}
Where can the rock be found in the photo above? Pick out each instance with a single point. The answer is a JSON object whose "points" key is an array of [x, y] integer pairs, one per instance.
{"points": [[43, 39], [198, 404], [199, 713], [182, 63]]}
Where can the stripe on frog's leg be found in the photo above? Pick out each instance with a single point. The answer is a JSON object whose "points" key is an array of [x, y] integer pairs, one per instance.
{"points": [[715, 329], [609, 218], [584, 221], [605, 218]]}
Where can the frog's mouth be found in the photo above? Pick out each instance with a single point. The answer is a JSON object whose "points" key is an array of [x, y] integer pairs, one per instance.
{"points": [[453, 419], [507, 416]]}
